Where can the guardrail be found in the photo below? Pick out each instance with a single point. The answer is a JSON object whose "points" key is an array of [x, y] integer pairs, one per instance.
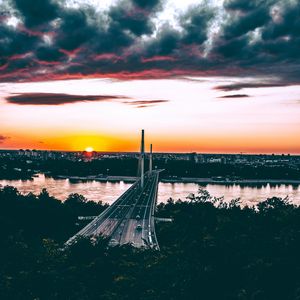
{"points": [[151, 227]]}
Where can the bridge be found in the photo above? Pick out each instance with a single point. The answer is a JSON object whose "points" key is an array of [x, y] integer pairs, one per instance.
{"points": [[130, 219]]}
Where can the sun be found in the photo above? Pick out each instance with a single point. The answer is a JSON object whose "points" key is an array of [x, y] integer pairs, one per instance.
{"points": [[89, 149]]}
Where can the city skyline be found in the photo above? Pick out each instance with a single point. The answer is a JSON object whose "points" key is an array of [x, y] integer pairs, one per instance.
{"points": [[199, 76]]}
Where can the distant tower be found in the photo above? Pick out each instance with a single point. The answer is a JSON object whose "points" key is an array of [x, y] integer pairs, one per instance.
{"points": [[150, 159], [142, 157]]}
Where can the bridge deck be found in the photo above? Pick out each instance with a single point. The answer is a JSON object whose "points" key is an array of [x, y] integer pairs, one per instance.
{"points": [[130, 219]]}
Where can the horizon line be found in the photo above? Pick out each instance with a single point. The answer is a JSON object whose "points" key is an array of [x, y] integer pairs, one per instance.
{"points": [[162, 152]]}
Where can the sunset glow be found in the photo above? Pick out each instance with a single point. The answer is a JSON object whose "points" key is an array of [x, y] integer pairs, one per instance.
{"points": [[190, 116], [191, 73]]}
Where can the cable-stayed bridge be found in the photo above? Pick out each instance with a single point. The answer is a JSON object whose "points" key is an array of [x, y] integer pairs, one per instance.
{"points": [[130, 219]]}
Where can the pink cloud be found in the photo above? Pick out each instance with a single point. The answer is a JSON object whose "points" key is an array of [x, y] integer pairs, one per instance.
{"points": [[158, 58]]}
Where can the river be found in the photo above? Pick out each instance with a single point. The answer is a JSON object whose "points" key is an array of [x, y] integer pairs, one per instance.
{"points": [[108, 192]]}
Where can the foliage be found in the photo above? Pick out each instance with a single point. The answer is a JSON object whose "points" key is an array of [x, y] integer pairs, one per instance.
{"points": [[212, 250]]}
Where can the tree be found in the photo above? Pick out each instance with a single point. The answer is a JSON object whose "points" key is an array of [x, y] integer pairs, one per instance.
{"points": [[75, 199]]}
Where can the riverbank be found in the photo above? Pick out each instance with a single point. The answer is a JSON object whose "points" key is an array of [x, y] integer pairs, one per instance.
{"points": [[127, 179], [227, 181], [196, 180]]}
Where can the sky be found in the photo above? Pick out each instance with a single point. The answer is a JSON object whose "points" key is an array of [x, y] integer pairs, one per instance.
{"points": [[198, 76]]}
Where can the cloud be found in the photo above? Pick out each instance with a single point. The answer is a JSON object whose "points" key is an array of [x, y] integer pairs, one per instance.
{"points": [[61, 99], [195, 24], [56, 99], [249, 85], [146, 4], [246, 17], [145, 103], [36, 13], [3, 138], [127, 41], [234, 96]]}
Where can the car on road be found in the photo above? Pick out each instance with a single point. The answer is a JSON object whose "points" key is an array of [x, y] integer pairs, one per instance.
{"points": [[113, 242], [93, 239]]}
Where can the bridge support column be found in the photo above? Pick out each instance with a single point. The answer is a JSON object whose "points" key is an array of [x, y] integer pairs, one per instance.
{"points": [[150, 159]]}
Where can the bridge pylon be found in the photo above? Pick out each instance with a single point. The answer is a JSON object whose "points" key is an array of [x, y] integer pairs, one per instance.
{"points": [[142, 158], [150, 159]]}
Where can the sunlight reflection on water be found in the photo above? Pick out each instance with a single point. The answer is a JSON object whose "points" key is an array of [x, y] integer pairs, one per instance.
{"points": [[108, 192]]}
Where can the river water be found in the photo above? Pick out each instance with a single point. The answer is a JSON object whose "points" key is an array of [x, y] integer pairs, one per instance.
{"points": [[108, 192]]}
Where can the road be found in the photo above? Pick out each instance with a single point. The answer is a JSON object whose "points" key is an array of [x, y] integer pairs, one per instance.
{"points": [[130, 219]]}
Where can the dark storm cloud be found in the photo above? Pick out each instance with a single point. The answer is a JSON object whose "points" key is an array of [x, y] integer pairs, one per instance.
{"points": [[244, 17], [49, 54], [234, 96], [77, 27], [249, 43], [248, 22], [288, 22], [127, 17], [195, 24], [3, 138], [244, 5], [147, 4], [14, 42], [36, 12], [169, 41], [56, 99], [235, 48], [165, 43], [53, 41]]}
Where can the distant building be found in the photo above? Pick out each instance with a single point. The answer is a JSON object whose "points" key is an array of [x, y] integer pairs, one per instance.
{"points": [[193, 157]]}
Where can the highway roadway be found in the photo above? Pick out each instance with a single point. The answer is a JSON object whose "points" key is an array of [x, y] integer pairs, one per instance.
{"points": [[130, 219]]}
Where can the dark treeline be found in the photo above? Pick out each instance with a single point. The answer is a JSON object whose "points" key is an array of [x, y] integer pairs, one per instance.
{"points": [[15, 169], [128, 167], [40, 216], [211, 250], [207, 170]]}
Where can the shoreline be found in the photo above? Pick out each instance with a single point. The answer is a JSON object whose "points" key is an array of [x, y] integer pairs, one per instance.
{"points": [[132, 179], [127, 179], [231, 182]]}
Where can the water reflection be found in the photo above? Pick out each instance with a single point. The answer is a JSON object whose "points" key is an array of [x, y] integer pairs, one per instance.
{"points": [[109, 191], [60, 188]]}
